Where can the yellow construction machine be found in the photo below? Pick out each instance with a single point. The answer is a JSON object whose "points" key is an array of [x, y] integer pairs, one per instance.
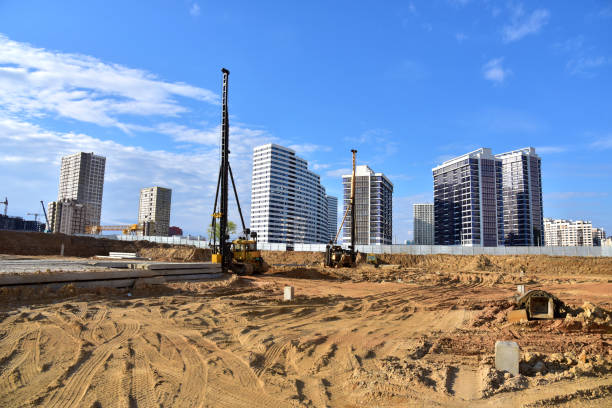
{"points": [[246, 258], [241, 255], [335, 255]]}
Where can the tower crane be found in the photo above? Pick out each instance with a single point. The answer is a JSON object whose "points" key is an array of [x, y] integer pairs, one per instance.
{"points": [[36, 215], [5, 202]]}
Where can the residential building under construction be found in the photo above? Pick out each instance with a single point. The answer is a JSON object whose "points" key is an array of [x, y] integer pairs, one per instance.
{"points": [[79, 201], [154, 205]]}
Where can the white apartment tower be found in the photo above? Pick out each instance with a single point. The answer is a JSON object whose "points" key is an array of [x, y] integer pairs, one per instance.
{"points": [[373, 207], [423, 224], [567, 233], [79, 201], [332, 216], [154, 206], [288, 202], [599, 236]]}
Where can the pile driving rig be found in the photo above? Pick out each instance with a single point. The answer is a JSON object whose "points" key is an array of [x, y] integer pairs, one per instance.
{"points": [[241, 255], [335, 255]]}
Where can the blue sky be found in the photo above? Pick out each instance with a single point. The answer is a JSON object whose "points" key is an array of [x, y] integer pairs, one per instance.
{"points": [[409, 84]]}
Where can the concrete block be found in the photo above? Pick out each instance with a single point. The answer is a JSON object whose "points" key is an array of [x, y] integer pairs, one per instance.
{"points": [[520, 289], [289, 293], [507, 356]]}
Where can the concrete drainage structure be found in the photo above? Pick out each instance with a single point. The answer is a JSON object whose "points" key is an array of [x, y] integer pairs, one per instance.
{"points": [[539, 304]]}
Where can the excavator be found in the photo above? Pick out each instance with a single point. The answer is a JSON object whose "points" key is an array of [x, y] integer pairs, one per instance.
{"points": [[241, 255], [335, 255]]}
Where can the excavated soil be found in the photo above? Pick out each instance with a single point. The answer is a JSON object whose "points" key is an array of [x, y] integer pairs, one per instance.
{"points": [[37, 244], [392, 336]]}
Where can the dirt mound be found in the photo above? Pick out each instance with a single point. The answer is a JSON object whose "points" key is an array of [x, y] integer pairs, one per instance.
{"points": [[36, 243], [588, 318], [529, 264], [176, 254]]}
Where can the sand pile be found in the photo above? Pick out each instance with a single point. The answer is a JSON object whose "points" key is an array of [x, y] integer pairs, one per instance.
{"points": [[176, 254], [588, 318], [530, 264]]}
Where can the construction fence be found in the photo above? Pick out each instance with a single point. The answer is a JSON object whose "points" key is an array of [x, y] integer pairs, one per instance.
{"points": [[197, 241], [449, 250]]}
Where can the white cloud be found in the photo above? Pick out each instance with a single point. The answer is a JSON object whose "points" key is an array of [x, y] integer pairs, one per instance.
{"points": [[603, 143], [194, 10], [551, 149], [460, 37], [306, 148], [585, 65], [29, 167], [522, 25], [494, 71], [38, 82], [338, 172]]}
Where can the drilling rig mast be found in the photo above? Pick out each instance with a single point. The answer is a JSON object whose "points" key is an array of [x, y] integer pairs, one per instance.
{"points": [[240, 256]]}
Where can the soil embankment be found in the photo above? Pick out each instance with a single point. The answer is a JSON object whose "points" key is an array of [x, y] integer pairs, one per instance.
{"points": [[35, 243], [533, 264]]}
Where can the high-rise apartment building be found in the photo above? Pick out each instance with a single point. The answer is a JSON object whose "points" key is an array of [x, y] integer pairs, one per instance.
{"points": [[522, 198], [288, 202], [599, 235], [80, 193], [373, 207], [332, 216], [154, 205], [567, 233], [423, 224], [468, 208]]}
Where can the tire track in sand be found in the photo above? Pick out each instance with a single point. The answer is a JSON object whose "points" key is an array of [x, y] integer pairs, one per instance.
{"points": [[79, 381]]}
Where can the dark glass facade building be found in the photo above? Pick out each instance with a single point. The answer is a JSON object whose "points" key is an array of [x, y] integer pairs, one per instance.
{"points": [[522, 198], [468, 206]]}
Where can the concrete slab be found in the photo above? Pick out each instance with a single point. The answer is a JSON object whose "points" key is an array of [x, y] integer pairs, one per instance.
{"points": [[288, 294], [515, 316], [507, 356], [175, 265]]}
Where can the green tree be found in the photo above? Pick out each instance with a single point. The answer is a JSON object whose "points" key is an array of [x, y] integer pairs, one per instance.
{"points": [[231, 229]]}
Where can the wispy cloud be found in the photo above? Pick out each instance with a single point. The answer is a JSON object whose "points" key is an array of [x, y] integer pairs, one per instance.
{"points": [[571, 195], [494, 71], [38, 82], [551, 149], [194, 10], [306, 148], [522, 24], [586, 65], [460, 37], [603, 143]]}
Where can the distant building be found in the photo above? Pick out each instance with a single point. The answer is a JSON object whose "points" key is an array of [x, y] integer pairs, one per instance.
{"points": [[607, 242], [80, 193], [423, 224], [599, 235], [19, 224], [154, 205], [332, 217], [172, 231], [522, 198], [288, 202], [468, 207], [67, 216], [567, 233], [373, 207]]}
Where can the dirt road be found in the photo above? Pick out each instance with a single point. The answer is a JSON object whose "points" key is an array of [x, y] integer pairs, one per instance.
{"points": [[381, 338]]}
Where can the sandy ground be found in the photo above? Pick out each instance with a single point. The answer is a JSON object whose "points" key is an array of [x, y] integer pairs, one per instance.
{"points": [[386, 337]]}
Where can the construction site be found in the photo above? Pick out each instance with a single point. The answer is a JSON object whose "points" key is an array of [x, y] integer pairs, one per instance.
{"points": [[411, 331], [93, 322]]}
